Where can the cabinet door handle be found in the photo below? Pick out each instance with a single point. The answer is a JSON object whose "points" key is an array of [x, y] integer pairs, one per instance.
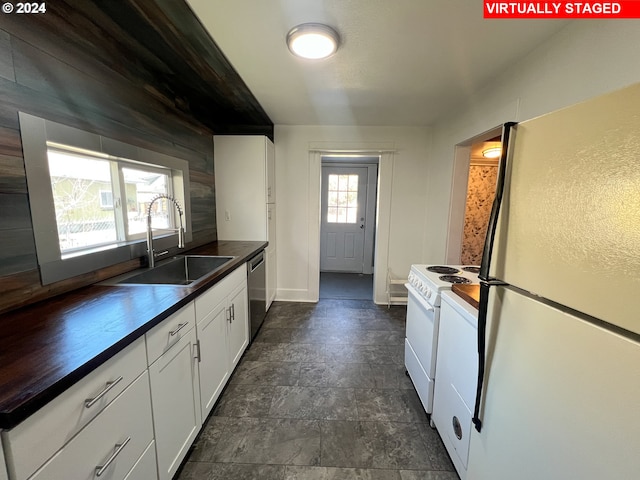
{"points": [[100, 469], [180, 327], [229, 319], [197, 348], [89, 402], [233, 311]]}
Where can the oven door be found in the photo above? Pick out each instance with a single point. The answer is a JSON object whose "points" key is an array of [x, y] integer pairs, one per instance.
{"points": [[422, 330]]}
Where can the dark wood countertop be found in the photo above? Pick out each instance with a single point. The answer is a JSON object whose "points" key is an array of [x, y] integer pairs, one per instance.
{"points": [[469, 293], [47, 347]]}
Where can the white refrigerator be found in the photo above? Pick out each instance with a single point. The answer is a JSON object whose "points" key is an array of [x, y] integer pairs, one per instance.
{"points": [[559, 322]]}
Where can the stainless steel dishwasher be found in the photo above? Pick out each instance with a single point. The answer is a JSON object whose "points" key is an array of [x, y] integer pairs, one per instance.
{"points": [[257, 292]]}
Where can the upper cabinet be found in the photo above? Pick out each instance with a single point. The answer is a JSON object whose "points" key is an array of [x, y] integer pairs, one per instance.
{"points": [[245, 183]]}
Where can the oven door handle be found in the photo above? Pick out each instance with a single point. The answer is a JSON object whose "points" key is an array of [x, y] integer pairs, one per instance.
{"points": [[418, 297]]}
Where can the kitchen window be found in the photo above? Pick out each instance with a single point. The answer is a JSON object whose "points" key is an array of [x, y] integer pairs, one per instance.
{"points": [[89, 196], [85, 220]]}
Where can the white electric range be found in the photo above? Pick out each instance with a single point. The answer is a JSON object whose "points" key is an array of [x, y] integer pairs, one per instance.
{"points": [[425, 284]]}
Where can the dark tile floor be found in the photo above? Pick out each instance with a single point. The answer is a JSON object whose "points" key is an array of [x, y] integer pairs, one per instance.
{"points": [[321, 394]]}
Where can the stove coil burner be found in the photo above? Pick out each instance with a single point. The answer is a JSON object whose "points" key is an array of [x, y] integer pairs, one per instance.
{"points": [[442, 269], [471, 269], [454, 279]]}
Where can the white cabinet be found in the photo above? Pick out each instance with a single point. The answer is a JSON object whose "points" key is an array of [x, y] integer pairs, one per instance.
{"points": [[242, 186], [175, 391], [238, 338], [146, 467], [111, 444], [33, 442], [246, 194], [222, 324], [270, 255], [3, 466]]}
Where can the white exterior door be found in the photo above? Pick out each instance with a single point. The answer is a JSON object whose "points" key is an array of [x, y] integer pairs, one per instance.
{"points": [[344, 198]]}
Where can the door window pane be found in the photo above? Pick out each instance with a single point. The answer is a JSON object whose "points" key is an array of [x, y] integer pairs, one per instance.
{"points": [[342, 198]]}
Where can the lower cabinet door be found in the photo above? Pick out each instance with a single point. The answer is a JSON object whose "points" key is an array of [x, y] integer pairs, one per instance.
{"points": [[213, 365], [239, 326], [175, 396], [110, 445]]}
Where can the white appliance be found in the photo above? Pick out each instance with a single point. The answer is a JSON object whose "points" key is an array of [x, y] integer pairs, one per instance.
{"points": [[455, 389], [425, 283], [558, 327]]}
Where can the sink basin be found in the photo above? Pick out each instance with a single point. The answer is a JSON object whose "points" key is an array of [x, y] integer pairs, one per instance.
{"points": [[180, 270]]}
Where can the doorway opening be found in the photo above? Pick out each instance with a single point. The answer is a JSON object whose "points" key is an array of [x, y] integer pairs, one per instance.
{"points": [[348, 196], [473, 190]]}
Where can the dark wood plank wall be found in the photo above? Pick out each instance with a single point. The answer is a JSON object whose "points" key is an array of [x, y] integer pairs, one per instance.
{"points": [[143, 72]]}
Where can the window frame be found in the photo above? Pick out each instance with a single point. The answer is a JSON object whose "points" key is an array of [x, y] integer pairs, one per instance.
{"points": [[38, 135]]}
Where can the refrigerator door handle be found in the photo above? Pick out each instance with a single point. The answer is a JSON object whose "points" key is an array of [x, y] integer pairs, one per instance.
{"points": [[485, 280], [507, 130], [482, 335], [482, 344]]}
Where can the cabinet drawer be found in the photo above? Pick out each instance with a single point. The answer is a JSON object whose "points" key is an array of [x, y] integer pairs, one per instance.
{"points": [[206, 302], [3, 466], [145, 468], [165, 335], [35, 440], [121, 433]]}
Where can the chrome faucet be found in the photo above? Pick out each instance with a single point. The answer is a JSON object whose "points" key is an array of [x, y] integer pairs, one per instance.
{"points": [[150, 251]]}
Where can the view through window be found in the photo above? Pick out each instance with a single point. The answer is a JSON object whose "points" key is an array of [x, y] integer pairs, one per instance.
{"points": [[342, 201], [101, 202]]}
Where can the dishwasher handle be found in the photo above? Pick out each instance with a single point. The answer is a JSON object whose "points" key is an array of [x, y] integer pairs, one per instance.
{"points": [[256, 261]]}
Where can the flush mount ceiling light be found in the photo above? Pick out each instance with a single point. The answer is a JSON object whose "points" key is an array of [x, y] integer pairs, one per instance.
{"points": [[313, 40], [493, 152]]}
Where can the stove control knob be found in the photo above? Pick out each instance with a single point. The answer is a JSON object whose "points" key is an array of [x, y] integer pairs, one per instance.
{"points": [[428, 293]]}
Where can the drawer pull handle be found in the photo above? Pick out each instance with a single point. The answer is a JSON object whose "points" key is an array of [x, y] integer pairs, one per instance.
{"points": [[89, 402], [180, 327], [100, 469]]}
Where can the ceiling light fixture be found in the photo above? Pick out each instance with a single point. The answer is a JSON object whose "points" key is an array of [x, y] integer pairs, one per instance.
{"points": [[313, 41], [493, 152]]}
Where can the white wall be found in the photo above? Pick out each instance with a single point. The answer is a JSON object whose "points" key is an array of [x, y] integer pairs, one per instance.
{"points": [[585, 59], [403, 176]]}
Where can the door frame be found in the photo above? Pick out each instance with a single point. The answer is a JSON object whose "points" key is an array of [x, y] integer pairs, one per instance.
{"points": [[459, 185], [385, 153], [370, 203]]}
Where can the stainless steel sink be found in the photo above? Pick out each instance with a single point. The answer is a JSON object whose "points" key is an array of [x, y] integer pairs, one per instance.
{"points": [[180, 270]]}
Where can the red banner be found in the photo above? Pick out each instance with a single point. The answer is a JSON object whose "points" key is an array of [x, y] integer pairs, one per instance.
{"points": [[561, 9]]}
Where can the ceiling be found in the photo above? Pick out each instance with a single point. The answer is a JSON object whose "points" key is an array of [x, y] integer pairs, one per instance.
{"points": [[401, 62]]}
